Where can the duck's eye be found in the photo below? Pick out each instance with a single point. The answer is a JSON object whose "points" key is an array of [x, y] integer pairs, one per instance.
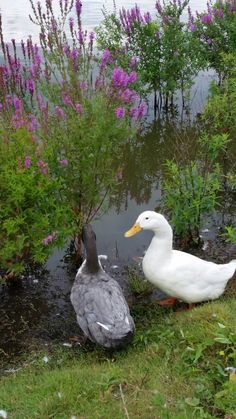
{"points": [[147, 218]]}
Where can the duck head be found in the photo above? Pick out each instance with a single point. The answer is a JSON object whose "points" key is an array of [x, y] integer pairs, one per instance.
{"points": [[150, 220]]}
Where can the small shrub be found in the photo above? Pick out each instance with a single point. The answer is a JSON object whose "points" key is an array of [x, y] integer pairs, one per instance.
{"points": [[189, 194]]}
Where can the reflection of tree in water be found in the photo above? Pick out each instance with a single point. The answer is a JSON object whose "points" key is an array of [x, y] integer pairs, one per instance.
{"points": [[142, 161]]}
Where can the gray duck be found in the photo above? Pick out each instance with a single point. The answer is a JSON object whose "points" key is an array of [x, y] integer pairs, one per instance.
{"points": [[101, 309]]}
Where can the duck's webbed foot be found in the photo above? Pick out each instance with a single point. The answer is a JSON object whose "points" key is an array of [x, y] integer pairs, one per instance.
{"points": [[168, 301]]}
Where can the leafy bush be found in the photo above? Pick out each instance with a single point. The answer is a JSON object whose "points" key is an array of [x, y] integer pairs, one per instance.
{"points": [[33, 217], [65, 118]]}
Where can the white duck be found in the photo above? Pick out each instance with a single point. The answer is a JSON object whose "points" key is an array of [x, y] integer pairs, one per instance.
{"points": [[179, 274]]}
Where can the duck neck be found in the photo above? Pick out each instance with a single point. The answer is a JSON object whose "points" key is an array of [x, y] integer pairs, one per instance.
{"points": [[162, 241], [92, 263]]}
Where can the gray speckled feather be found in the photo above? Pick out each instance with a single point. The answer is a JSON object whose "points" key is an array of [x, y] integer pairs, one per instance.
{"points": [[101, 309]]}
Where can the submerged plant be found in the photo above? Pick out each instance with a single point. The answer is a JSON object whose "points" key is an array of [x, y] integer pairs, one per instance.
{"points": [[215, 29], [159, 47], [192, 191], [190, 194]]}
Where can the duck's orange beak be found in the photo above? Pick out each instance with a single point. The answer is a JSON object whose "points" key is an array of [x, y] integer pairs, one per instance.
{"points": [[133, 230]]}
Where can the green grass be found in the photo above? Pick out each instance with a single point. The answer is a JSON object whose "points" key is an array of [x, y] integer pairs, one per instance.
{"points": [[174, 368], [138, 285]]}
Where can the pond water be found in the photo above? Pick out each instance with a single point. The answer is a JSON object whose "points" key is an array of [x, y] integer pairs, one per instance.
{"points": [[40, 307], [17, 24]]}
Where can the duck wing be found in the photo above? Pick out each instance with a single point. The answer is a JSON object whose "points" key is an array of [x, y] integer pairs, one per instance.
{"points": [[102, 311]]}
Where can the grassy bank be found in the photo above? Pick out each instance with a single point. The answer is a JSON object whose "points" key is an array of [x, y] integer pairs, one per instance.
{"points": [[173, 368]]}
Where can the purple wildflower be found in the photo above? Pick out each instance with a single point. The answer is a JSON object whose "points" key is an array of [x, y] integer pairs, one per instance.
{"points": [[83, 85], [133, 62], [120, 112], [49, 238], [43, 167], [133, 77], [17, 103], [79, 108], [127, 95], [133, 111], [81, 37], [66, 99], [147, 17], [78, 6], [158, 7], [106, 57], [66, 49], [74, 54], [141, 111], [119, 174], [71, 23], [120, 78], [91, 36], [192, 27], [23, 48], [27, 162], [9, 100], [30, 86], [32, 123], [59, 112], [206, 19], [63, 162]]}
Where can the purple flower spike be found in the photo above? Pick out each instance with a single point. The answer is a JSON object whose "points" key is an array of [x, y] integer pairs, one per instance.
{"points": [[133, 77], [49, 238], [59, 112], [133, 112], [206, 19], [127, 95], [133, 62], [106, 57], [120, 78], [63, 162], [83, 85], [17, 103], [79, 108], [147, 17], [71, 23], [120, 112], [91, 36], [78, 6], [192, 27], [27, 162], [141, 111], [66, 99], [9, 100], [32, 123]]}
